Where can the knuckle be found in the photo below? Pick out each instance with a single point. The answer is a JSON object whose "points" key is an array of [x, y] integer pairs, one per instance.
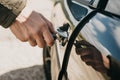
{"points": [[35, 33], [50, 23], [78, 51], [23, 39], [83, 59], [27, 37], [50, 43], [43, 26], [33, 45]]}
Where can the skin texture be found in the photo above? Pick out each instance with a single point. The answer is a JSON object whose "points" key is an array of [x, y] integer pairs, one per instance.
{"points": [[92, 56], [35, 29]]}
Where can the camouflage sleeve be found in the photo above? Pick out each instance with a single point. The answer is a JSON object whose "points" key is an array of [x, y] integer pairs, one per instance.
{"points": [[9, 10]]}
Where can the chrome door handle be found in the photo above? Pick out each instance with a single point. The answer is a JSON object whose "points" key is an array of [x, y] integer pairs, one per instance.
{"points": [[62, 34]]}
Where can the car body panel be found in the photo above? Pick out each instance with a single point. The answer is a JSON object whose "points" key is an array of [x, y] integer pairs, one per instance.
{"points": [[102, 31], [57, 53], [77, 69], [113, 6]]}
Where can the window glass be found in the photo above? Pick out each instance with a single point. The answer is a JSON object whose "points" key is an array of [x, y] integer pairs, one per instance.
{"points": [[103, 32], [88, 2], [113, 6]]}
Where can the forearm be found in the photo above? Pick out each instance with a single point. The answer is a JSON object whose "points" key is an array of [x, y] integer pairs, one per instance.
{"points": [[9, 10]]}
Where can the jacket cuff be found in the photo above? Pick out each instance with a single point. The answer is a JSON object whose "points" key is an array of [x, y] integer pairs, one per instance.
{"points": [[9, 10], [6, 16], [114, 70]]}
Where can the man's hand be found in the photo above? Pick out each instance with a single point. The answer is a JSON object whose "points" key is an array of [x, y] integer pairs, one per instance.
{"points": [[91, 56], [36, 29]]}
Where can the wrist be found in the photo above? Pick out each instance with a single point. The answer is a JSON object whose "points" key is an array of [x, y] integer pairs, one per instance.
{"points": [[106, 61]]}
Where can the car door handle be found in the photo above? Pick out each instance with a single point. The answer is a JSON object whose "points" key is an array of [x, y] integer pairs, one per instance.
{"points": [[62, 34]]}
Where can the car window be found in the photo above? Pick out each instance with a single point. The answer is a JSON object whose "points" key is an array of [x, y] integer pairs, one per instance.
{"points": [[103, 32], [77, 10], [113, 6], [92, 3]]}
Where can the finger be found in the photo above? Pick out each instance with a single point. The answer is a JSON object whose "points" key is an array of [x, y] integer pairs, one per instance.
{"points": [[90, 64], [38, 37], [78, 50], [87, 58], [88, 61], [48, 37], [51, 28], [49, 24], [100, 69], [32, 42], [25, 31], [40, 41], [47, 34], [82, 51], [84, 43]]}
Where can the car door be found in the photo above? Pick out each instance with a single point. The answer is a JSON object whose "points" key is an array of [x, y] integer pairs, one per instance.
{"points": [[77, 70], [101, 30]]}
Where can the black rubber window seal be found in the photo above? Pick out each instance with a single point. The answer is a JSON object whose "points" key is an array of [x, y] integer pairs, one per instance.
{"points": [[71, 42]]}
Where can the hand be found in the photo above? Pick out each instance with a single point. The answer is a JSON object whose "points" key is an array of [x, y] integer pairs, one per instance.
{"points": [[35, 29], [91, 56]]}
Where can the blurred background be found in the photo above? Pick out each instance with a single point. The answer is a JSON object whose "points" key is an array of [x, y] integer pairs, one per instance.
{"points": [[16, 55]]}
